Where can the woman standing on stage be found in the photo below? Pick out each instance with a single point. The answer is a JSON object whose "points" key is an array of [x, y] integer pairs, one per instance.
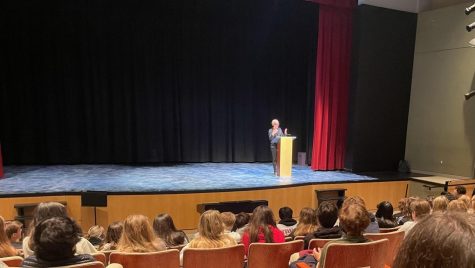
{"points": [[274, 136]]}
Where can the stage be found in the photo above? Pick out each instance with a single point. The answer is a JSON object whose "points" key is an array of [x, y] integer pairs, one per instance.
{"points": [[179, 178]]}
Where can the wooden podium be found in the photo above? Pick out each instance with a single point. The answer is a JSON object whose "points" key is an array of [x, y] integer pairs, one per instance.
{"points": [[284, 156]]}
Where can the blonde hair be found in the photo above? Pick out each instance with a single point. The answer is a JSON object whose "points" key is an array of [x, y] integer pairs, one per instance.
{"points": [[138, 236], [307, 222], [465, 199], [211, 232], [6, 250], [274, 122], [228, 219], [97, 232], [457, 206], [440, 204]]}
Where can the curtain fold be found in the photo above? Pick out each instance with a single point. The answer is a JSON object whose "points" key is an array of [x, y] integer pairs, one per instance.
{"points": [[332, 85], [1, 163]]}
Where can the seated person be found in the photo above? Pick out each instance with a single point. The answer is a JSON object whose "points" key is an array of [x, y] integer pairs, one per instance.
{"points": [[262, 228], [457, 206], [307, 223], [14, 231], [439, 204], [287, 223], [433, 242], [241, 223], [114, 232], [6, 249], [229, 219], [138, 236], [165, 229], [459, 190], [404, 214], [327, 215], [419, 209], [384, 215], [55, 242], [210, 233], [373, 226], [96, 236]]}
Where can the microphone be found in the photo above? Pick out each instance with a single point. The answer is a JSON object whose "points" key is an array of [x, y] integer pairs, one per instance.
{"points": [[469, 9], [470, 27], [469, 94]]}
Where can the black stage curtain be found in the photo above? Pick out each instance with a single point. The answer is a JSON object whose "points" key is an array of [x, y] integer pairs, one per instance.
{"points": [[154, 81]]}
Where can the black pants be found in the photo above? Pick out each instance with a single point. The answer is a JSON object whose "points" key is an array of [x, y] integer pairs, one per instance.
{"points": [[273, 149]]}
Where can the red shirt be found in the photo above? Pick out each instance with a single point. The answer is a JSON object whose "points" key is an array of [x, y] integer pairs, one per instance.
{"points": [[279, 237]]}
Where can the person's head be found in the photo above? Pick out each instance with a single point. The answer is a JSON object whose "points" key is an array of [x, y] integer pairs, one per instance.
{"points": [[114, 232], [137, 235], [457, 206], [354, 219], [5, 247], [242, 219], [48, 210], [459, 190], [211, 226], [440, 204], [439, 240], [465, 199], [472, 202], [163, 225], [228, 219], [354, 200], [307, 222], [285, 213], [419, 208], [384, 210], [13, 230], [327, 214], [96, 235], [275, 123], [55, 239], [261, 220]]}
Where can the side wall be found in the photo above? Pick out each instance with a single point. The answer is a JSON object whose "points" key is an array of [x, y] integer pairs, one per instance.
{"points": [[441, 126]]}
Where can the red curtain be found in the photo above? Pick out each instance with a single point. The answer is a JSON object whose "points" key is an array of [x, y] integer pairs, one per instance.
{"points": [[332, 84], [1, 162]]}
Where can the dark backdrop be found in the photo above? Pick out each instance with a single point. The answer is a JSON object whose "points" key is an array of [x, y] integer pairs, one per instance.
{"points": [[383, 54], [154, 81]]}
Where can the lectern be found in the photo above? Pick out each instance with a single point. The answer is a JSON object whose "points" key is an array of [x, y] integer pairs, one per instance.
{"points": [[284, 156]]}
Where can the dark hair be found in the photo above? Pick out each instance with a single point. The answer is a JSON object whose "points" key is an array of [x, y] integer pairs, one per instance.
{"points": [[165, 229], [385, 210], [43, 211], [285, 213], [114, 231], [327, 214], [439, 240], [262, 217], [461, 189], [242, 219], [55, 239]]}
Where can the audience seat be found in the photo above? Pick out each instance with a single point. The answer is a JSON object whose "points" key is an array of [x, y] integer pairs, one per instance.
{"points": [[288, 239], [300, 237], [370, 254], [319, 243], [14, 261], [388, 230], [275, 255], [229, 257], [162, 259], [95, 264], [100, 256], [395, 240]]}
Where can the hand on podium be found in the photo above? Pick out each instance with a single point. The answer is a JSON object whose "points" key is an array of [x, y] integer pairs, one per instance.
{"points": [[285, 132]]}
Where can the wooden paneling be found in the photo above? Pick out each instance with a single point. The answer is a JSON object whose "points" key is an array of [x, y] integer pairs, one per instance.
{"points": [[182, 207]]}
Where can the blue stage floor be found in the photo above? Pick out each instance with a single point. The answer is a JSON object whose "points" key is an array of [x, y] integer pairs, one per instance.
{"points": [[175, 178]]}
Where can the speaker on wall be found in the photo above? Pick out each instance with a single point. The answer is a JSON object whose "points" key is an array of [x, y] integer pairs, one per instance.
{"points": [[94, 199]]}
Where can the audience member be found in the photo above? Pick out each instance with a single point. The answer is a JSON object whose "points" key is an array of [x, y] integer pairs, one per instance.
{"points": [[54, 241], [14, 231], [49, 210], [138, 236], [384, 215], [165, 229], [327, 215], [262, 228], [457, 206], [6, 249], [354, 219], [465, 199], [210, 233], [241, 223], [459, 190], [96, 235], [439, 240], [229, 219], [404, 214], [449, 196], [439, 204], [472, 205], [373, 226], [114, 232], [307, 223], [419, 209], [287, 223]]}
